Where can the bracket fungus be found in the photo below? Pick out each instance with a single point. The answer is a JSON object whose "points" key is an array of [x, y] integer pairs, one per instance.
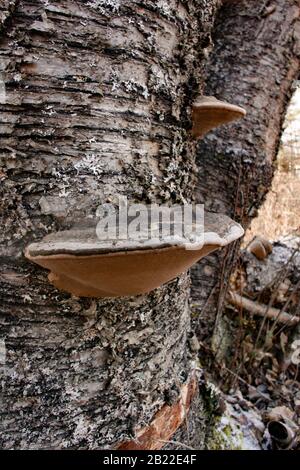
{"points": [[208, 112], [85, 266], [260, 247]]}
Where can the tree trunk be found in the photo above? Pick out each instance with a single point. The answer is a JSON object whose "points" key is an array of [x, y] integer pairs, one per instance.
{"points": [[253, 64], [97, 98], [97, 104]]}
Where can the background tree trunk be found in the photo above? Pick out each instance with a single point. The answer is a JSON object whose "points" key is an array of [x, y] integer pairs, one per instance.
{"points": [[97, 105], [253, 64]]}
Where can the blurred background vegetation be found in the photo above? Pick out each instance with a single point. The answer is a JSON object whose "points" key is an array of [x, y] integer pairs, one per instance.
{"points": [[280, 214]]}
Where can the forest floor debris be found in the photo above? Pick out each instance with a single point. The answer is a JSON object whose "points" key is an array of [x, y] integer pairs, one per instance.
{"points": [[258, 368]]}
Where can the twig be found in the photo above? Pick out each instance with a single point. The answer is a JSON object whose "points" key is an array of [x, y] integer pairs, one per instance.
{"points": [[262, 310], [297, 313], [295, 288]]}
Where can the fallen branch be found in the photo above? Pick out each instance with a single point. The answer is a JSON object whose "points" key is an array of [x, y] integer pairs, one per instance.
{"points": [[262, 310]]}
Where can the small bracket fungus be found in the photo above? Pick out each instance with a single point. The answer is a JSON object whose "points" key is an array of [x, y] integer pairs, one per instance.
{"points": [[84, 265], [260, 247], [208, 113]]}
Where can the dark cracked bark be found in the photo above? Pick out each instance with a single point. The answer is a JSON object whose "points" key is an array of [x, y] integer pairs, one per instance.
{"points": [[253, 64], [97, 97]]}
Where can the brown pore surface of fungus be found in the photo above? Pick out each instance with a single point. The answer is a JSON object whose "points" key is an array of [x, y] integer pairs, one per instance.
{"points": [[165, 423], [85, 266], [208, 113]]}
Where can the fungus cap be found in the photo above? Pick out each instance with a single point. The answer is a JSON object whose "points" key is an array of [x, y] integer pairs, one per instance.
{"points": [[260, 247], [83, 265], [208, 113]]}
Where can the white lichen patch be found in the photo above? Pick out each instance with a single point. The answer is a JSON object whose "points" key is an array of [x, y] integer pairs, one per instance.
{"points": [[83, 429], [130, 86], [160, 82], [90, 164], [236, 430], [63, 181], [227, 436], [164, 7], [2, 351], [103, 6]]}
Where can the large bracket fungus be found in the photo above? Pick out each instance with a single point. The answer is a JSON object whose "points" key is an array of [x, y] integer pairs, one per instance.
{"points": [[208, 113], [83, 265]]}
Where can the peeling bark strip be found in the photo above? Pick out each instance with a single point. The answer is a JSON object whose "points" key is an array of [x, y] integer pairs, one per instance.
{"points": [[97, 102], [165, 423], [255, 59]]}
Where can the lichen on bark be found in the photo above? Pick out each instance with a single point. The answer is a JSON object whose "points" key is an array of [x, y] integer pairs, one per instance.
{"points": [[97, 105]]}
